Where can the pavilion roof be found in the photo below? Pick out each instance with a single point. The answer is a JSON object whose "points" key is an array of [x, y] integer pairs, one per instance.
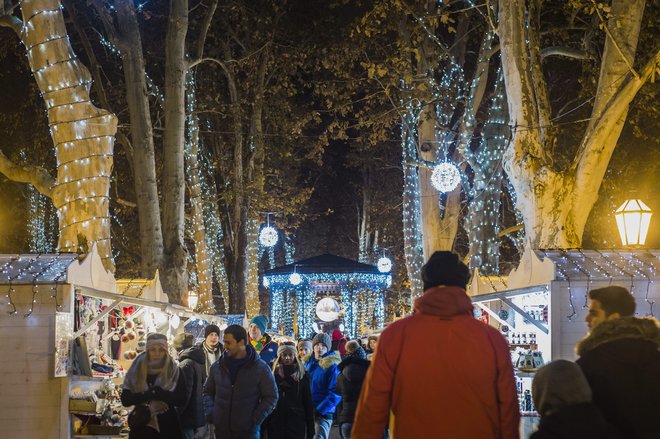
{"points": [[325, 263]]}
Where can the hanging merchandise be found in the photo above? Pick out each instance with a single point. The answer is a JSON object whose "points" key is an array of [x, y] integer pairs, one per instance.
{"points": [[445, 177]]}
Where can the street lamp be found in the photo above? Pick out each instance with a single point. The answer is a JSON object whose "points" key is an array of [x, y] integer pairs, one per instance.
{"points": [[192, 299], [633, 219]]}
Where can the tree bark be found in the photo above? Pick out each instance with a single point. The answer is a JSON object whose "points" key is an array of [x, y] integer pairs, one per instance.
{"points": [[143, 154], [173, 267], [555, 204], [83, 135]]}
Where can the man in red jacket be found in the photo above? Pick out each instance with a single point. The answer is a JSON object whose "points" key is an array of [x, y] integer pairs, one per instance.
{"points": [[440, 372]]}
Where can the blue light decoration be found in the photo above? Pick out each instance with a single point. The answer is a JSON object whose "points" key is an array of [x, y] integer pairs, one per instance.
{"points": [[293, 304]]}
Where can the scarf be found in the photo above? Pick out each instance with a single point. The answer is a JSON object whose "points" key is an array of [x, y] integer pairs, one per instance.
{"points": [[258, 345], [212, 355], [167, 377]]}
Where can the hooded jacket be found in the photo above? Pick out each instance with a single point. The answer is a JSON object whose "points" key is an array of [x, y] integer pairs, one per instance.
{"points": [[323, 378], [442, 373], [268, 352], [563, 399], [237, 410], [621, 360], [349, 383], [191, 363]]}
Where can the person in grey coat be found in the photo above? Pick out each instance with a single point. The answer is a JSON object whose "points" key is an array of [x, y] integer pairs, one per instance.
{"points": [[240, 391]]}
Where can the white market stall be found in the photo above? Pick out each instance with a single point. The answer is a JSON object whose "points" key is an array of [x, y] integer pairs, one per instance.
{"points": [[64, 307], [542, 304]]}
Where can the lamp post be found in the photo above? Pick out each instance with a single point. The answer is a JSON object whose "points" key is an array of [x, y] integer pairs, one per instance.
{"points": [[192, 299], [633, 219]]}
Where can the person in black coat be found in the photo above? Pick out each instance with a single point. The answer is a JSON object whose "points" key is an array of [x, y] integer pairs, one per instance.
{"points": [[352, 371], [563, 399], [621, 360], [293, 417], [153, 383], [192, 363]]}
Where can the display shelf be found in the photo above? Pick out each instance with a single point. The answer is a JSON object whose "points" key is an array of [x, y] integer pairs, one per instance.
{"points": [[533, 347], [521, 374]]}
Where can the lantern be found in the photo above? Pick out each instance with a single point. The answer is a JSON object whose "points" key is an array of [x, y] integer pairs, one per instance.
{"points": [[192, 299], [633, 219]]}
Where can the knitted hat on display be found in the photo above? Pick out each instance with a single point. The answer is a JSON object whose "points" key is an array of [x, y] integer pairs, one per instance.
{"points": [[183, 341], [261, 321], [322, 338], [155, 339], [211, 328], [445, 268]]}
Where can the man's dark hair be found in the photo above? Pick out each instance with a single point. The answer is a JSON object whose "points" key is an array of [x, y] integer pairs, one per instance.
{"points": [[614, 299], [238, 332]]}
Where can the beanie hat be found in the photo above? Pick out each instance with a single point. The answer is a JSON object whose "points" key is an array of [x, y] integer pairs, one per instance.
{"points": [[337, 335], [155, 339], [261, 321], [307, 343], [559, 384], [211, 328], [322, 338], [445, 268], [354, 349], [182, 341], [286, 348]]}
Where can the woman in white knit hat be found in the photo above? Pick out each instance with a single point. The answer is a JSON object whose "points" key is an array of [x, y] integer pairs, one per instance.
{"points": [[293, 417], [154, 386]]}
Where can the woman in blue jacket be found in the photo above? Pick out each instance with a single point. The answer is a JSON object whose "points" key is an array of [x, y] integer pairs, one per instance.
{"points": [[323, 372]]}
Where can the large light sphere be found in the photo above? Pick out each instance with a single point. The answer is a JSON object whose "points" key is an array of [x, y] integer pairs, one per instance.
{"points": [[384, 264], [266, 282], [327, 309], [268, 236], [295, 279], [445, 177]]}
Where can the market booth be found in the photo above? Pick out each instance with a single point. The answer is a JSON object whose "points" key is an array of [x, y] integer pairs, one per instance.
{"points": [[326, 292], [73, 331], [540, 307]]}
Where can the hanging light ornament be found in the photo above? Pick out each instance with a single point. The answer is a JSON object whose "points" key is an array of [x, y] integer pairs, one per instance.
{"points": [[295, 279], [445, 177], [384, 264], [268, 236]]}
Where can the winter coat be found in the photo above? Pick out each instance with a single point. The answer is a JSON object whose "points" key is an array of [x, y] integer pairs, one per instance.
{"points": [[621, 360], [339, 342], [442, 373], [191, 413], [349, 383], [168, 422], [578, 421], [237, 410], [323, 377], [293, 417], [268, 351]]}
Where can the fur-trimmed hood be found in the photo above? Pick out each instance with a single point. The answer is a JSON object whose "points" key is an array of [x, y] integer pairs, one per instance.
{"points": [[646, 329], [330, 359]]}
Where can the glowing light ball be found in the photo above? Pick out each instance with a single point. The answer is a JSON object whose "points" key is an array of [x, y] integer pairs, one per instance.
{"points": [[445, 177], [327, 309], [295, 279], [268, 236], [384, 264]]}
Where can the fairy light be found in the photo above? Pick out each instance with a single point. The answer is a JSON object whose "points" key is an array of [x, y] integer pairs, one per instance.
{"points": [[83, 135]]}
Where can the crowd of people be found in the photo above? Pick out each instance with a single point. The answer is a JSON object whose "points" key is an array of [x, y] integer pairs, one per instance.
{"points": [[438, 373]]}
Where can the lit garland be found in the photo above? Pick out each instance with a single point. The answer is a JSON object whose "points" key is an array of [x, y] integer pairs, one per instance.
{"points": [[252, 273], [83, 135], [412, 233], [360, 294]]}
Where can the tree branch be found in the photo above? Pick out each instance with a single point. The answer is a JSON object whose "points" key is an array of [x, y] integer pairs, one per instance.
{"points": [[13, 23], [567, 52], [35, 175], [205, 29]]}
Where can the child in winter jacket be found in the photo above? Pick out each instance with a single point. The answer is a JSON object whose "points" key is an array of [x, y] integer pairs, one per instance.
{"points": [[563, 399]]}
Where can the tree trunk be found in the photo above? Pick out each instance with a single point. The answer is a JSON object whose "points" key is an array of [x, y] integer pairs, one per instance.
{"points": [[174, 270], [364, 217], [412, 233], [83, 135], [555, 205], [194, 178], [143, 155]]}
